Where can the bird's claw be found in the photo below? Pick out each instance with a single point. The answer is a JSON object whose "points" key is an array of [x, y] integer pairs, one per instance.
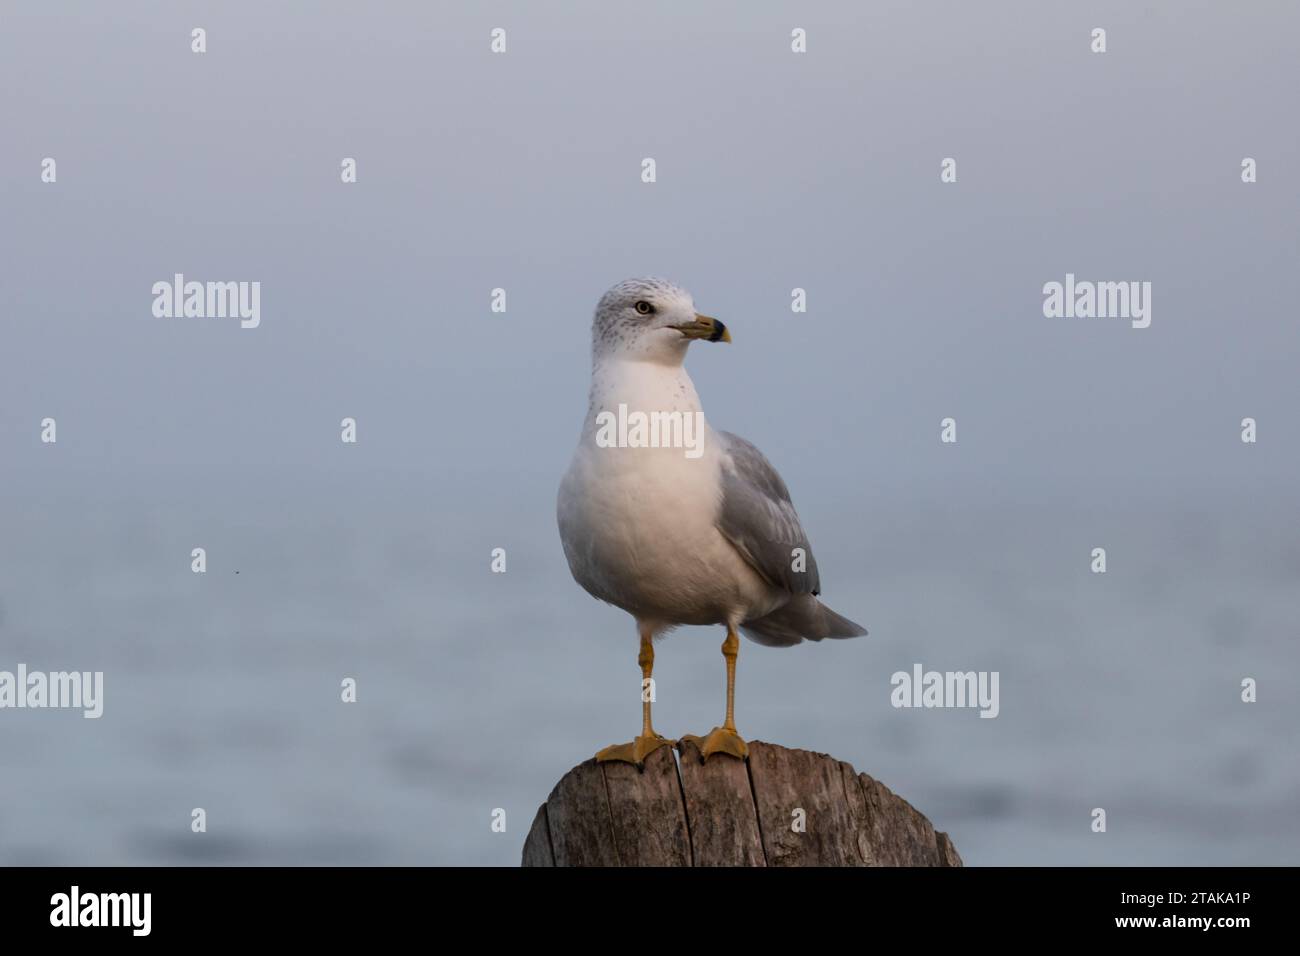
{"points": [[634, 752], [720, 740]]}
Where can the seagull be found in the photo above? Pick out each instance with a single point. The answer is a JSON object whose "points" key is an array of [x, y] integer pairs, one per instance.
{"points": [[673, 531]]}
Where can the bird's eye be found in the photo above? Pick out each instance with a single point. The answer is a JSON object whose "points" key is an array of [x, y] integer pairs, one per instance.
{"points": [[644, 308]]}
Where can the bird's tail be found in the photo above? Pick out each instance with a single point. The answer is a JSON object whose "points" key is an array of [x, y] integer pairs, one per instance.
{"points": [[837, 625], [804, 618]]}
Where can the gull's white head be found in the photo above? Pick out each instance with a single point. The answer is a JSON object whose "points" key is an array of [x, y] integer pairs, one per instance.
{"points": [[650, 320]]}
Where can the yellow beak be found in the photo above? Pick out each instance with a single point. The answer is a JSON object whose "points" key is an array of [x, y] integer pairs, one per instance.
{"points": [[705, 327]]}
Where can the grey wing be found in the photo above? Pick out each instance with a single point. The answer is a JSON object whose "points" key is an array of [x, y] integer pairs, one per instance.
{"points": [[759, 519]]}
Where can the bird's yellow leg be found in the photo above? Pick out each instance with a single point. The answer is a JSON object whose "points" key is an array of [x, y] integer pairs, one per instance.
{"points": [[724, 739], [649, 741]]}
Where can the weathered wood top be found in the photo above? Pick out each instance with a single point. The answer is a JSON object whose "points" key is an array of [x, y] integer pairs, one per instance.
{"points": [[730, 813]]}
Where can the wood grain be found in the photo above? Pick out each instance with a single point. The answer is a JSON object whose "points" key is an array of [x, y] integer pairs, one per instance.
{"points": [[782, 807]]}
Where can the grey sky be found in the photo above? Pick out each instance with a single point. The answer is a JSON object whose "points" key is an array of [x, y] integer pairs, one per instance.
{"points": [[775, 171]]}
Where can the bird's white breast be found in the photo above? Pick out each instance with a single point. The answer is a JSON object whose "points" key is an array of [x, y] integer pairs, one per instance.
{"points": [[639, 524]]}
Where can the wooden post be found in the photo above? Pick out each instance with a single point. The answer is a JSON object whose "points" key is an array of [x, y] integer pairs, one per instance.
{"points": [[683, 812]]}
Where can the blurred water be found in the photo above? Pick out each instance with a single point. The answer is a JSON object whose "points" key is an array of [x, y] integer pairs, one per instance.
{"points": [[478, 690]]}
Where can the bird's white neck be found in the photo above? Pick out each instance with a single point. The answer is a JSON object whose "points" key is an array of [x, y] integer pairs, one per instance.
{"points": [[641, 386]]}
